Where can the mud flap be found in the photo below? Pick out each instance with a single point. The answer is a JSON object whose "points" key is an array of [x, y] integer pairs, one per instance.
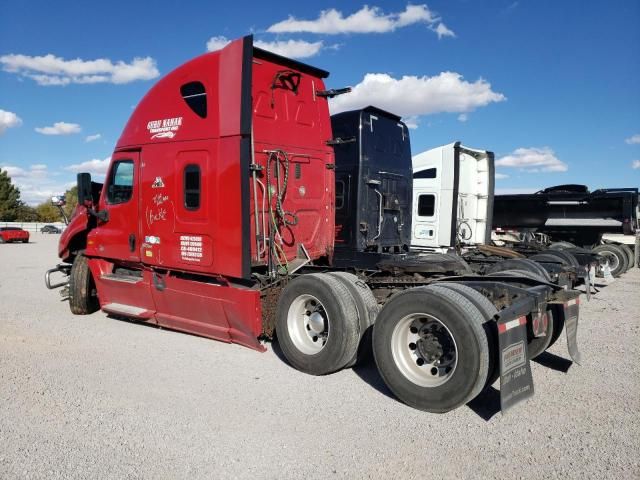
{"points": [[571, 313], [516, 381]]}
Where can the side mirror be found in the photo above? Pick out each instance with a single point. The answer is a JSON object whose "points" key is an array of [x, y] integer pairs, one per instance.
{"points": [[58, 201], [84, 188]]}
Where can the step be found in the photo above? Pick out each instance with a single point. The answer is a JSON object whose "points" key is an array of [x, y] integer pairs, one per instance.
{"points": [[127, 310], [114, 277]]}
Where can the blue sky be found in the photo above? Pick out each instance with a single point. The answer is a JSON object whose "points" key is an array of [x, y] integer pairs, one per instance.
{"points": [[552, 87]]}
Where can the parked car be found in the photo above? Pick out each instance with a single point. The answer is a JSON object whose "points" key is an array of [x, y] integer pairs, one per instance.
{"points": [[13, 234], [50, 229]]}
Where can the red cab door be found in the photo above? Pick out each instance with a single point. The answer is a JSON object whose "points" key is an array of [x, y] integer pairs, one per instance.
{"points": [[119, 235]]}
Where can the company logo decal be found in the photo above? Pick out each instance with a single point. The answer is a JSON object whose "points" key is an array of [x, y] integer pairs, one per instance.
{"points": [[157, 183], [165, 128], [513, 356]]}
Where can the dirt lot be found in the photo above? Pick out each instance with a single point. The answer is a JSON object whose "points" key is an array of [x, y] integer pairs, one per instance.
{"points": [[95, 397]]}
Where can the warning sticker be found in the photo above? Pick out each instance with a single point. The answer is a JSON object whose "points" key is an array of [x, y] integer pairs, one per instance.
{"points": [[191, 248]]}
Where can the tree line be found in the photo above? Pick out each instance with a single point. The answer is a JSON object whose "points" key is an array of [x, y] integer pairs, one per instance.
{"points": [[13, 209]]}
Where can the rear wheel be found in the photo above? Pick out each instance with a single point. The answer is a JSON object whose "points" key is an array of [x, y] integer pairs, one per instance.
{"points": [[521, 264], [490, 327], [616, 257], [630, 257], [561, 245], [317, 324], [557, 312], [535, 345], [83, 298], [367, 308], [431, 349]]}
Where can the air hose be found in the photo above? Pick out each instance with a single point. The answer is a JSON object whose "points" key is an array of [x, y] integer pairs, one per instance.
{"points": [[287, 218]]}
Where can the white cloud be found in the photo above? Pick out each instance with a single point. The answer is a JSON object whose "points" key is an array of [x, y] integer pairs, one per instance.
{"points": [[533, 160], [291, 48], [633, 139], [8, 120], [501, 176], [36, 183], [91, 138], [635, 164], [366, 20], [412, 96], [411, 121], [443, 31], [286, 48], [463, 117], [60, 128], [50, 70], [96, 167], [216, 43]]}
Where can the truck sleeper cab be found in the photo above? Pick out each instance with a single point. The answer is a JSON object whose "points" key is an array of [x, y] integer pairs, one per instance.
{"points": [[218, 217], [453, 193]]}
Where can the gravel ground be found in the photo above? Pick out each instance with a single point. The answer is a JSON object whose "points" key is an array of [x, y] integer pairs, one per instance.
{"points": [[96, 397]]}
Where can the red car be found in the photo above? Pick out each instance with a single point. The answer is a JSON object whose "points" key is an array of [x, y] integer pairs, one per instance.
{"points": [[13, 234]]}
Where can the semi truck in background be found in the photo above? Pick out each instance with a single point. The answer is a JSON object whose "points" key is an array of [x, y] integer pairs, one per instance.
{"points": [[236, 208], [453, 205], [570, 216]]}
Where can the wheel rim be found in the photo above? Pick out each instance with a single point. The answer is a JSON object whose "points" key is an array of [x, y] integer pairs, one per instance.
{"points": [[612, 258], [308, 324], [424, 350]]}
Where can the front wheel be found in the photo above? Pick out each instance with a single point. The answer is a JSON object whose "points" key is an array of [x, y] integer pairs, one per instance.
{"points": [[83, 298], [431, 349]]}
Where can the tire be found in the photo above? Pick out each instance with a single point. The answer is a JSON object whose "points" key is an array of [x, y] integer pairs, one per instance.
{"points": [[535, 345], [317, 324], [490, 327], [25, 241], [455, 324], [83, 298], [367, 308], [558, 323], [616, 254], [561, 245], [566, 257], [521, 264], [2, 240], [631, 261], [515, 273]]}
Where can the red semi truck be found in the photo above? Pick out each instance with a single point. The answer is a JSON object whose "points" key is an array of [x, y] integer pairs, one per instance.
{"points": [[218, 217]]}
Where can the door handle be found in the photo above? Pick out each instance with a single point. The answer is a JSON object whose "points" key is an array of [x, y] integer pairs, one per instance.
{"points": [[132, 242]]}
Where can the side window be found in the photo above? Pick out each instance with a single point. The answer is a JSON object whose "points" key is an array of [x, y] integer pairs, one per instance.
{"points": [[196, 97], [192, 187], [426, 205], [339, 194], [428, 173], [120, 182]]}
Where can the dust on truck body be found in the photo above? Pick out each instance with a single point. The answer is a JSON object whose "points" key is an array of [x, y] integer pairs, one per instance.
{"points": [[218, 217]]}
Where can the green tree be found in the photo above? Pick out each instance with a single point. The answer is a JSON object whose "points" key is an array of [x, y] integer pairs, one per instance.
{"points": [[48, 213], [9, 198], [71, 197], [25, 213]]}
